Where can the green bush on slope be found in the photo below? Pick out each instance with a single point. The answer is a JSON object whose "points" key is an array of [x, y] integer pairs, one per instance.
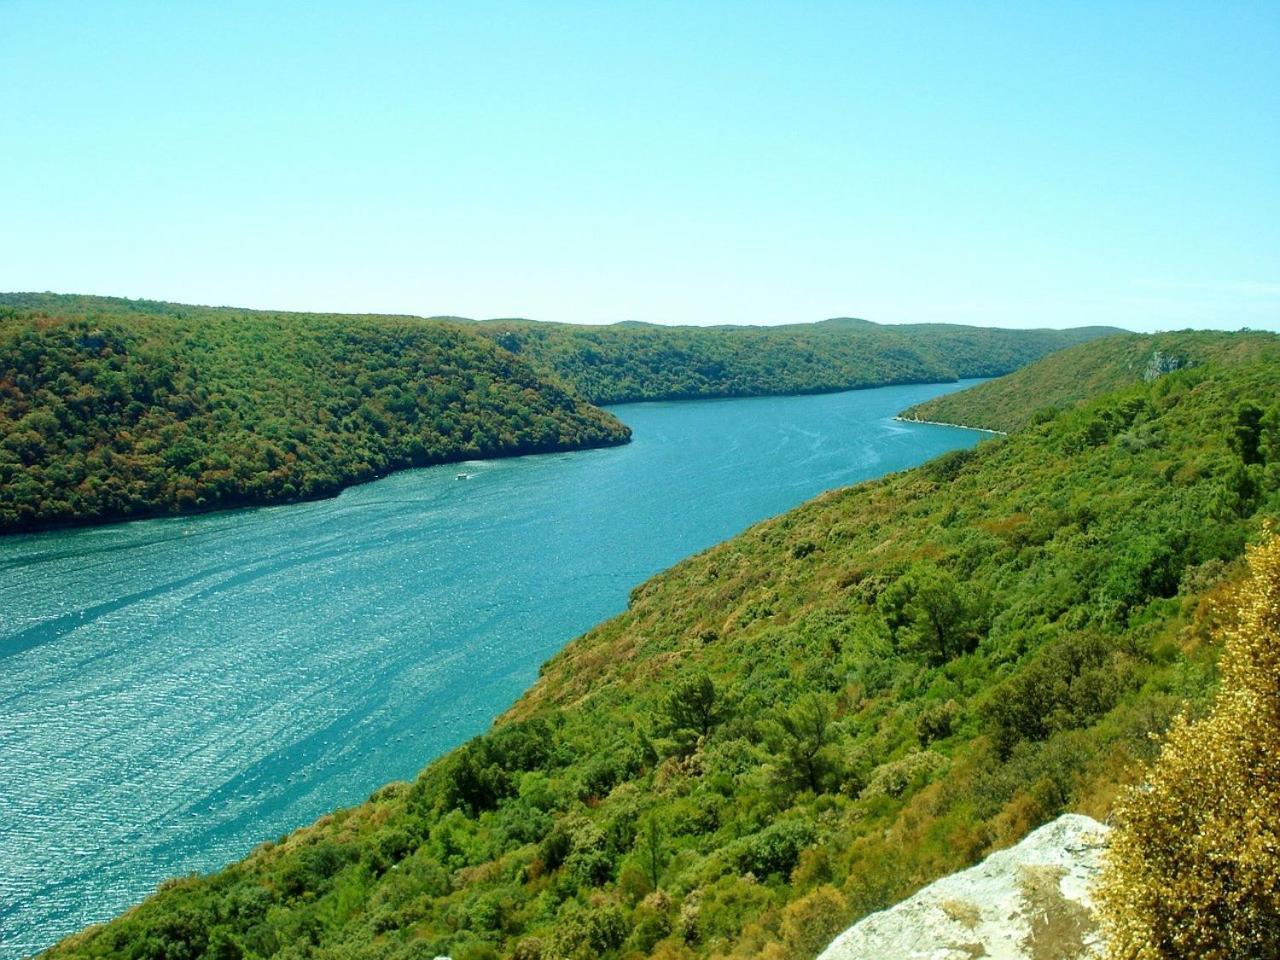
{"points": [[841, 762]]}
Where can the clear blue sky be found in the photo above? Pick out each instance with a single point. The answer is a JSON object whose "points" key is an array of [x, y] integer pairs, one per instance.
{"points": [[1016, 164]]}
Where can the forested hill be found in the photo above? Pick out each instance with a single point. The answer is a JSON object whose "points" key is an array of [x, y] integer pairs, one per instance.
{"points": [[1039, 390], [635, 361], [807, 722], [111, 409]]}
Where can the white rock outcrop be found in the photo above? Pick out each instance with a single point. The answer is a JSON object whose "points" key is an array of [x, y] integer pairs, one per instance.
{"points": [[1030, 902]]}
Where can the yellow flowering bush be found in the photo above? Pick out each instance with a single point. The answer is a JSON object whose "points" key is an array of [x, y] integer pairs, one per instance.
{"points": [[1193, 868]]}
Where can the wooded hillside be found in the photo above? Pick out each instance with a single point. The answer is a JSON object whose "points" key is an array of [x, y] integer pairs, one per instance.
{"points": [[1039, 390], [626, 362], [805, 723], [114, 409]]}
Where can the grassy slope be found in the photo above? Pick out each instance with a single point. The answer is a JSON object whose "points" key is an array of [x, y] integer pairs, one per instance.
{"points": [[852, 751], [627, 362], [1081, 372], [113, 409]]}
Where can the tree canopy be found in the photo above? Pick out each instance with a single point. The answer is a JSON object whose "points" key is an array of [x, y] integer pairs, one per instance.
{"points": [[627, 362], [112, 409], [115, 409], [1080, 373]]}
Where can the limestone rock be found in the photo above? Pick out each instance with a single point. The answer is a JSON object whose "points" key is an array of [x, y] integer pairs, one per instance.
{"points": [[1030, 902], [1162, 363]]}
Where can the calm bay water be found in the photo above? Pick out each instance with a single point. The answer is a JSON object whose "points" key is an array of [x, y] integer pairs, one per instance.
{"points": [[174, 691]]}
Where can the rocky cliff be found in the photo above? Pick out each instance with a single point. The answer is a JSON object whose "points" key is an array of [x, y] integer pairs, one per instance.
{"points": [[1030, 902]]}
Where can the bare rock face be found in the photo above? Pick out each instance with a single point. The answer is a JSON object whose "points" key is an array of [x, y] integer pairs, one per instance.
{"points": [[1162, 363], [1030, 902]]}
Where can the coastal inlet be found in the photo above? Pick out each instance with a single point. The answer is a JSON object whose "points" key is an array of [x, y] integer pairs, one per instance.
{"points": [[176, 691]]}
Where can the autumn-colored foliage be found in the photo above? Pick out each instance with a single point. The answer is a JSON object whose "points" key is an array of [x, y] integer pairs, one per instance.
{"points": [[1194, 864]]}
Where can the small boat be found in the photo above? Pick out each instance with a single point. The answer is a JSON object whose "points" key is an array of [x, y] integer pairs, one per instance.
{"points": [[464, 476]]}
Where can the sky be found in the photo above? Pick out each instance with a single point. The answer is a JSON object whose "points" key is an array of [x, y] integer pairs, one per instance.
{"points": [[1002, 164]]}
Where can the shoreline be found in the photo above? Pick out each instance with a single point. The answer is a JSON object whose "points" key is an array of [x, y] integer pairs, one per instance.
{"points": [[168, 510], [943, 423]]}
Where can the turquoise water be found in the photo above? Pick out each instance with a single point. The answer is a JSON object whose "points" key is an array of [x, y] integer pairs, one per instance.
{"points": [[174, 691]]}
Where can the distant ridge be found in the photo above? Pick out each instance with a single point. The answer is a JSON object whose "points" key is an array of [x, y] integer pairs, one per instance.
{"points": [[849, 323], [631, 361]]}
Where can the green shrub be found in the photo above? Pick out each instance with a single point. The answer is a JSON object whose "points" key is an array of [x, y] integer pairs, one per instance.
{"points": [[775, 849], [894, 778]]}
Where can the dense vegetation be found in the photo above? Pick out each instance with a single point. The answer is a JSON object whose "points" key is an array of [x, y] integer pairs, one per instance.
{"points": [[808, 721], [1193, 867], [111, 408], [634, 361], [1039, 390], [114, 409]]}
